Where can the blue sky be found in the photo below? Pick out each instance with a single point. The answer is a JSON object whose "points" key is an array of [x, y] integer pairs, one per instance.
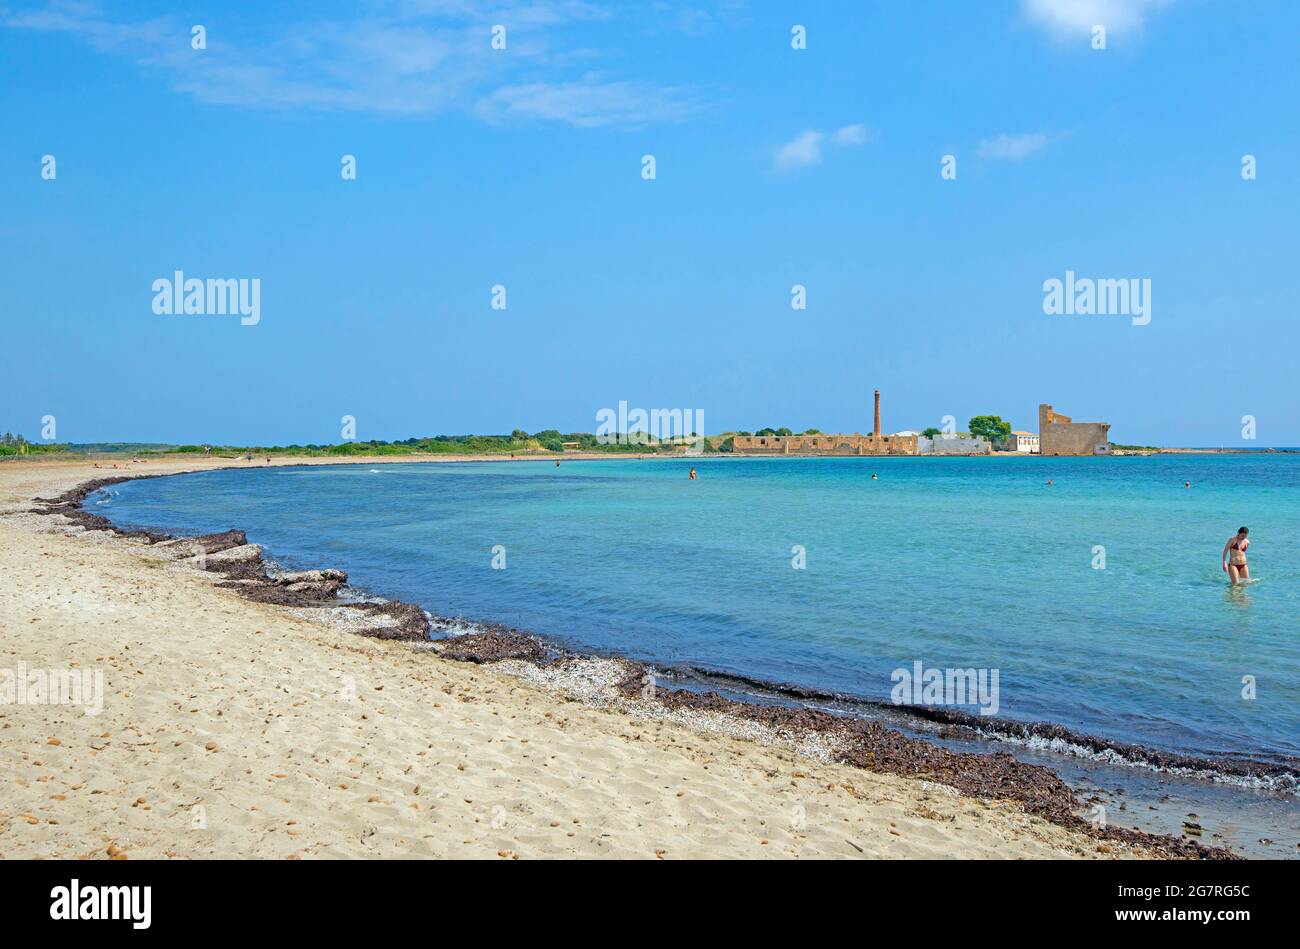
{"points": [[522, 167]]}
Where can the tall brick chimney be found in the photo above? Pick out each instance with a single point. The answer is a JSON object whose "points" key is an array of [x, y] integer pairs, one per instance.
{"points": [[877, 413]]}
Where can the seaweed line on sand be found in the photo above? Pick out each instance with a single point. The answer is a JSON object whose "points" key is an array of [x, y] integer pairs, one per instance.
{"points": [[627, 685]]}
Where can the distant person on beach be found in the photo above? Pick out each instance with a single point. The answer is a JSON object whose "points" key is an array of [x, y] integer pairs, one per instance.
{"points": [[1234, 557], [692, 474]]}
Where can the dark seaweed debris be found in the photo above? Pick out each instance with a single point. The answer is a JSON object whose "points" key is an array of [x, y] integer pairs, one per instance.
{"points": [[874, 747], [1140, 754], [961, 723], [69, 505], [412, 624], [246, 573], [493, 646]]}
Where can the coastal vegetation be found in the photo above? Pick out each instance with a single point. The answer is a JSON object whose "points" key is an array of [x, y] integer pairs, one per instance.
{"points": [[11, 444], [549, 441], [517, 442]]}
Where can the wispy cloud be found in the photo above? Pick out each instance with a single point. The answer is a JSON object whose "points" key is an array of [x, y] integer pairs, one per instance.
{"points": [[695, 18], [804, 149], [589, 101], [1012, 147], [807, 147], [402, 57], [851, 135], [1072, 17]]}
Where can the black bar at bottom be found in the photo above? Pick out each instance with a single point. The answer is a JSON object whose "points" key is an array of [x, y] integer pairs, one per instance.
{"points": [[216, 898]]}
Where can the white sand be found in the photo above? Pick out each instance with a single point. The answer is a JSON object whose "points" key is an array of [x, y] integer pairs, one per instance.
{"points": [[235, 729]]}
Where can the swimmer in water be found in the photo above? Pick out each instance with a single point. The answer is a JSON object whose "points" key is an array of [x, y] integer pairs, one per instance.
{"points": [[1234, 557], [1049, 483], [873, 476], [692, 474], [1187, 484]]}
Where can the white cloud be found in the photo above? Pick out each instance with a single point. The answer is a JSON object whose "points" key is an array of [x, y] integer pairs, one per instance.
{"points": [[1012, 147], [851, 135], [403, 57], [1080, 16], [694, 19], [588, 102], [806, 148]]}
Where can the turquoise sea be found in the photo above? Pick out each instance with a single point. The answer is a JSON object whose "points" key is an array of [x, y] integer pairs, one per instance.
{"points": [[954, 563]]}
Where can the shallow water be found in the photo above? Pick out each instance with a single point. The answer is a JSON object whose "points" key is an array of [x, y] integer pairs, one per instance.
{"points": [[955, 563]]}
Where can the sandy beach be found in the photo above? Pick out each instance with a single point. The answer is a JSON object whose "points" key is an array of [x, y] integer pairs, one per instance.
{"points": [[232, 728]]}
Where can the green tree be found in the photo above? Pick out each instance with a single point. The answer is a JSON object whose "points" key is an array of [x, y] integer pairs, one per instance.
{"points": [[812, 431], [932, 432], [550, 439], [990, 427]]}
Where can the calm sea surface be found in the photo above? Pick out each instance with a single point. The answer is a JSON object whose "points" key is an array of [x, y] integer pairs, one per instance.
{"points": [[956, 563]]}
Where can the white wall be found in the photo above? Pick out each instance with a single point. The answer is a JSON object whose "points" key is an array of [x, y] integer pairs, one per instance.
{"points": [[952, 446]]}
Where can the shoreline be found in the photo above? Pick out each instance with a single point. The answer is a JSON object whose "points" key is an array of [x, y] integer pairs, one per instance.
{"points": [[1246, 772], [236, 729], [623, 682]]}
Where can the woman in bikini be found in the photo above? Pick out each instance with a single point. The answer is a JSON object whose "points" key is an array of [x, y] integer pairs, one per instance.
{"points": [[1234, 557]]}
